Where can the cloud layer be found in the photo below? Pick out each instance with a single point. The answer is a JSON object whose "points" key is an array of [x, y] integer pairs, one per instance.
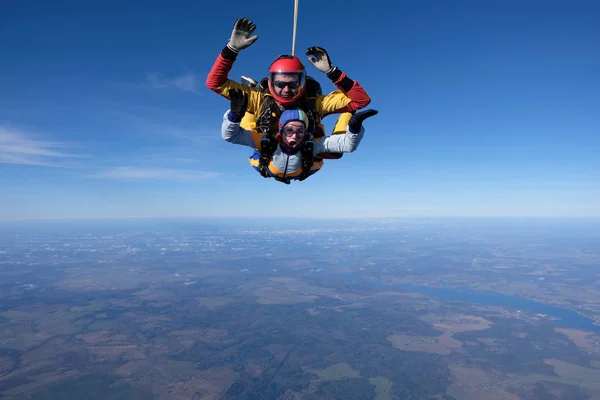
{"points": [[18, 147]]}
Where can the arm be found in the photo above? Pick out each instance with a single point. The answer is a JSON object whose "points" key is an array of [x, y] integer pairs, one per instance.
{"points": [[218, 82], [218, 75], [349, 141], [344, 143], [350, 97], [217, 79], [232, 132]]}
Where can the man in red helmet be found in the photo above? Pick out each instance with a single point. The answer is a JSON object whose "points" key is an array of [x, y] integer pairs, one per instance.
{"points": [[286, 82]]}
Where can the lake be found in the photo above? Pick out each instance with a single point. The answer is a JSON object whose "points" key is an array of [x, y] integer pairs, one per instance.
{"points": [[567, 318]]}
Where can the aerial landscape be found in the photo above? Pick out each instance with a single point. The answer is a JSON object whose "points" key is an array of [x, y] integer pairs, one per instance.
{"points": [[299, 200], [383, 309]]}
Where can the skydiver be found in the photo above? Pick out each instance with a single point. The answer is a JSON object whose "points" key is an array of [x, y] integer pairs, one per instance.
{"points": [[293, 157], [286, 82]]}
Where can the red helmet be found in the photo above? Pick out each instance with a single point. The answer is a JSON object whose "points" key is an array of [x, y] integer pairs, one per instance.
{"points": [[287, 66]]}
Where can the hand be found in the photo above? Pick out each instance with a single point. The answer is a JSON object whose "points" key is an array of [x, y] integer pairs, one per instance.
{"points": [[357, 119], [320, 59], [239, 103], [240, 39]]}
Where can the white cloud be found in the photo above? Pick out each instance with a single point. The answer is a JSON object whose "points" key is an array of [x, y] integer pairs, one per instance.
{"points": [[19, 147], [136, 173], [187, 82]]}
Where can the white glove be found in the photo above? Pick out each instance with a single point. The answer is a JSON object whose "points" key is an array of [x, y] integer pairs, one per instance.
{"points": [[240, 39]]}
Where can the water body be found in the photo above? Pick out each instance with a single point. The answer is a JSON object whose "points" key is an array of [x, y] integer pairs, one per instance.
{"points": [[567, 318]]}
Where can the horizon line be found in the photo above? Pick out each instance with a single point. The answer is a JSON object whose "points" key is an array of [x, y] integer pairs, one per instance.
{"points": [[284, 217]]}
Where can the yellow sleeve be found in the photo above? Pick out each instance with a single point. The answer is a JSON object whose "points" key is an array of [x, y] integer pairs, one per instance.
{"points": [[255, 96], [342, 123], [256, 138], [248, 121], [331, 103]]}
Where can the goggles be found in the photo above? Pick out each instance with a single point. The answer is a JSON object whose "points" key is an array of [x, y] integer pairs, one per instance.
{"points": [[290, 130], [291, 85]]}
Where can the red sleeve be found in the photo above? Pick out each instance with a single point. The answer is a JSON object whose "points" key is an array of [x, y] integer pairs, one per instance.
{"points": [[218, 74], [359, 98]]}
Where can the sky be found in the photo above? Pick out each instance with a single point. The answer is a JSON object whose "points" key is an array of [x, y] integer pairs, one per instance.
{"points": [[485, 109]]}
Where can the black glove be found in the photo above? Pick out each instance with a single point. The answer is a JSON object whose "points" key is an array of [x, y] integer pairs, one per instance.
{"points": [[239, 104], [357, 119], [320, 59]]}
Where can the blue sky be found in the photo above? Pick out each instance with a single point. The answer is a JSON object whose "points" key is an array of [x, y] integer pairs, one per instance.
{"points": [[486, 108]]}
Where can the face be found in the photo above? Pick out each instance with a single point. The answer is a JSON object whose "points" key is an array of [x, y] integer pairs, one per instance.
{"points": [[286, 85], [293, 133]]}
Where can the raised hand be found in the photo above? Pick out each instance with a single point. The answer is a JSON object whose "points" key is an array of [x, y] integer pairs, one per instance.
{"points": [[240, 36], [320, 59]]}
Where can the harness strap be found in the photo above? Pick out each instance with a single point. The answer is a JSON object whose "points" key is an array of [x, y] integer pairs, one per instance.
{"points": [[268, 145], [307, 153]]}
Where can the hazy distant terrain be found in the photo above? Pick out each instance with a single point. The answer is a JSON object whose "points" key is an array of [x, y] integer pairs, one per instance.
{"points": [[300, 310]]}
